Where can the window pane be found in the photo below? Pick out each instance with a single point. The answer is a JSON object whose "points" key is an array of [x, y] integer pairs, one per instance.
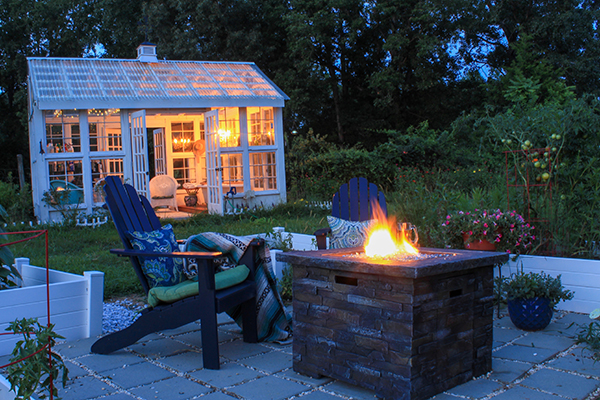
{"points": [[62, 131], [263, 172], [260, 126], [100, 170], [229, 127], [232, 172], [184, 170], [183, 136], [105, 130], [67, 175]]}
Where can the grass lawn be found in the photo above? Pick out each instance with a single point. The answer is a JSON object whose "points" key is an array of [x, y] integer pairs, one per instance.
{"points": [[78, 249]]}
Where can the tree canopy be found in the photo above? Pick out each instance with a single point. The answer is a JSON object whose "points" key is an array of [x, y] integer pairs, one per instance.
{"points": [[352, 68]]}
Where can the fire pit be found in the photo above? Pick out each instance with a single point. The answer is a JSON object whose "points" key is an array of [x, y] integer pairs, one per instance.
{"points": [[407, 329]]}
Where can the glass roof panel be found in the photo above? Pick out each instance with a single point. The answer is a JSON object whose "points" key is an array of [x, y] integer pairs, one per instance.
{"points": [[64, 79]]}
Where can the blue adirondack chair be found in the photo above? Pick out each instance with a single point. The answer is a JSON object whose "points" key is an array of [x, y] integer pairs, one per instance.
{"points": [[353, 202], [131, 212]]}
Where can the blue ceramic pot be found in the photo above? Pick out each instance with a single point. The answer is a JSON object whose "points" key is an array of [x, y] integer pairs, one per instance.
{"points": [[530, 314]]}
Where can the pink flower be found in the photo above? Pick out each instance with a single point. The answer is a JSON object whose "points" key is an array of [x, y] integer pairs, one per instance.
{"points": [[485, 224]]}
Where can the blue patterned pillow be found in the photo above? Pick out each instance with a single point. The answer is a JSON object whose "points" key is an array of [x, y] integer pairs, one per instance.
{"points": [[159, 271], [347, 233]]}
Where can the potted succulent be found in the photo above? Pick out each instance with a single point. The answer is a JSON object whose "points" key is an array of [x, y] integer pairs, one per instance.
{"points": [[532, 298], [494, 230]]}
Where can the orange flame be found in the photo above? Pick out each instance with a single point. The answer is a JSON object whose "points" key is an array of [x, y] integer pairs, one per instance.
{"points": [[381, 241]]}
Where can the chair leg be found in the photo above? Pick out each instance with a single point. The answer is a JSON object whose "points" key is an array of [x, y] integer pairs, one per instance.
{"points": [[210, 341], [250, 328]]}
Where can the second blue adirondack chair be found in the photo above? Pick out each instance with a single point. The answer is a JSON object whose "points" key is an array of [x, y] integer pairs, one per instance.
{"points": [[353, 202]]}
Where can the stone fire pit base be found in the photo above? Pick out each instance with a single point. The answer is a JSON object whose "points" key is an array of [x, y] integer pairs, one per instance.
{"points": [[405, 331]]}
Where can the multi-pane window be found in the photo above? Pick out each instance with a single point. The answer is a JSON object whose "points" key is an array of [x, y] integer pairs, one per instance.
{"points": [[260, 126], [101, 168], [105, 130], [184, 170], [183, 136], [263, 171], [232, 171], [67, 175], [62, 131], [229, 127]]}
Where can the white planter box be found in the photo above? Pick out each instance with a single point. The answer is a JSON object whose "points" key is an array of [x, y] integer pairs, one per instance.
{"points": [[75, 303], [582, 276]]}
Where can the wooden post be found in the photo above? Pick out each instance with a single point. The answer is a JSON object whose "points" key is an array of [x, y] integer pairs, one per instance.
{"points": [[21, 171]]}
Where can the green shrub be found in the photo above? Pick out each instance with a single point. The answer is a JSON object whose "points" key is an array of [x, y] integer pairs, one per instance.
{"points": [[16, 201]]}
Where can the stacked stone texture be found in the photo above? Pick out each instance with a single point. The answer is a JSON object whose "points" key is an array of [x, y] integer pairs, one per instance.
{"points": [[403, 338]]}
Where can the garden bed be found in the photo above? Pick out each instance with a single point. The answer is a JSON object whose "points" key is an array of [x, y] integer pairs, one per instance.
{"points": [[75, 303]]}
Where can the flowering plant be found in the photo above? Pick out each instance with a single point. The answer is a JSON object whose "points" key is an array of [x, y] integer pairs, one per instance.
{"points": [[506, 229]]}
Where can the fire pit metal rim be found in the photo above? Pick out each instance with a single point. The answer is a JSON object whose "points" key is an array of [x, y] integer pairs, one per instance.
{"points": [[457, 260]]}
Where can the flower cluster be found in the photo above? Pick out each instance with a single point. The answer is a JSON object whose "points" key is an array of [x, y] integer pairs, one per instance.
{"points": [[506, 229]]}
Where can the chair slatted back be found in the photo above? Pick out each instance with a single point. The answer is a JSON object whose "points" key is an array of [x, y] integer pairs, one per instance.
{"points": [[130, 212], [356, 199]]}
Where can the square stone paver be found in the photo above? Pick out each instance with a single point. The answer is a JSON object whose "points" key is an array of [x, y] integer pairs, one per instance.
{"points": [[230, 374], [137, 374], [581, 365], [76, 348], [561, 383], [546, 341], [184, 362], [239, 349], [269, 388], [218, 396], [291, 374], [74, 370], [475, 388], [101, 363], [524, 353], [120, 396], [195, 338], [355, 392], [506, 335], [176, 388], [85, 387], [523, 393], [271, 362], [318, 395], [507, 370], [159, 348]]}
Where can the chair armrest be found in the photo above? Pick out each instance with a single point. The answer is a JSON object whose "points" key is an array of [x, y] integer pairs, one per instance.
{"points": [[250, 255], [321, 235], [175, 254]]}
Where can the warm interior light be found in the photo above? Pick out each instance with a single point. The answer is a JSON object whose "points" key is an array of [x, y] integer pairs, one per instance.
{"points": [[385, 240]]}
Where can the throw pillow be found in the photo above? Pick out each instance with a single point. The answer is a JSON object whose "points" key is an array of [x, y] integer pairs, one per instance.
{"points": [[347, 233], [159, 271]]}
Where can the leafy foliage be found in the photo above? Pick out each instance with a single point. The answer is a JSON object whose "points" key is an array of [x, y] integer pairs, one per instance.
{"points": [[531, 285], [37, 366], [590, 336], [8, 273], [16, 201]]}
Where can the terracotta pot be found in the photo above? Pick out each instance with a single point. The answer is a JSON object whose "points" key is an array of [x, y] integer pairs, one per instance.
{"points": [[481, 245]]}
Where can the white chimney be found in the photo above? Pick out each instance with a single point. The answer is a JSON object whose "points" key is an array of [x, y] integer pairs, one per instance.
{"points": [[147, 52]]}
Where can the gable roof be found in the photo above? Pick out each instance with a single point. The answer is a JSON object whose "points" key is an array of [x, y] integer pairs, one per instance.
{"points": [[79, 83]]}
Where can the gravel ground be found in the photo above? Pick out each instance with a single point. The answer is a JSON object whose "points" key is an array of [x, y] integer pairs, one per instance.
{"points": [[119, 314]]}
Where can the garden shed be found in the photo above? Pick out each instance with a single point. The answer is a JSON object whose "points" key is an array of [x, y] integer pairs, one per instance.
{"points": [[215, 127]]}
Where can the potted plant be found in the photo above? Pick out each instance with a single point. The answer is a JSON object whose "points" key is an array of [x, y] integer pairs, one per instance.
{"points": [[495, 230], [532, 298]]}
